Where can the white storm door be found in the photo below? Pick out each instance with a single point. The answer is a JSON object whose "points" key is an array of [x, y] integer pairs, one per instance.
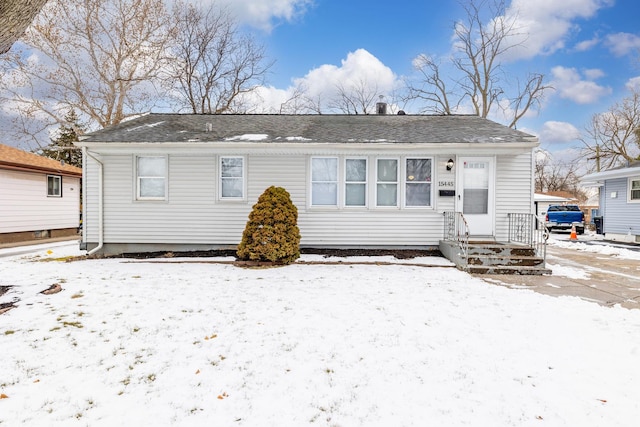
{"points": [[476, 194]]}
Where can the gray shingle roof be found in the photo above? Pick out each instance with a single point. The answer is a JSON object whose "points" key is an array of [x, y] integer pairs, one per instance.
{"points": [[305, 128]]}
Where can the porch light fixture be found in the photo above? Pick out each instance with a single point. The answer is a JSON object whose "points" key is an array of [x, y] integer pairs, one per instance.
{"points": [[449, 164]]}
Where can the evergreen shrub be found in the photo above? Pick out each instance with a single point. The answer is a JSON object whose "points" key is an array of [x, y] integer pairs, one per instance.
{"points": [[271, 233]]}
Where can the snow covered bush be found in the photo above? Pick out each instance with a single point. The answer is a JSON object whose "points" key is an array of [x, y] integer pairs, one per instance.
{"points": [[272, 233]]}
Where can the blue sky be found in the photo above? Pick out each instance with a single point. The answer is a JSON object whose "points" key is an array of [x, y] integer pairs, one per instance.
{"points": [[589, 50]]}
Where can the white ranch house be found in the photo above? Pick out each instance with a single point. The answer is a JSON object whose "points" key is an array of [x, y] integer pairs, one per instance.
{"points": [[39, 197], [175, 182]]}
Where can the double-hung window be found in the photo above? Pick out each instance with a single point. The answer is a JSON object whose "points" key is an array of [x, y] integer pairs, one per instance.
{"points": [[634, 190], [418, 182], [232, 176], [387, 182], [355, 187], [151, 173], [54, 186], [324, 181]]}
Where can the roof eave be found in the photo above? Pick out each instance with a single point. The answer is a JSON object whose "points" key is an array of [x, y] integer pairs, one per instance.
{"points": [[36, 169], [598, 177], [297, 144]]}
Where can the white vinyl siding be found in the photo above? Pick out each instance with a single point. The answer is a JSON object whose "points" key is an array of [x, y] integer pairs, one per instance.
{"points": [[25, 205], [151, 177], [194, 216], [513, 189]]}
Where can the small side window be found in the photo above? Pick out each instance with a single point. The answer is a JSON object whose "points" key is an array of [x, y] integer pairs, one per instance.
{"points": [[634, 189], [232, 177], [151, 174], [54, 186]]}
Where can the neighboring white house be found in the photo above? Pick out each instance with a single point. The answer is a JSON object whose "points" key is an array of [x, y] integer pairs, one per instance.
{"points": [[187, 182], [619, 201], [39, 197]]}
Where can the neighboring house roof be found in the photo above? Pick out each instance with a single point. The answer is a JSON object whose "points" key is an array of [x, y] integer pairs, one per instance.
{"points": [[15, 17], [543, 197], [567, 196], [271, 128], [16, 159], [595, 179]]}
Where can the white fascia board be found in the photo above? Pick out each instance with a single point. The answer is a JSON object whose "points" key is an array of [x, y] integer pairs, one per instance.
{"points": [[499, 148]]}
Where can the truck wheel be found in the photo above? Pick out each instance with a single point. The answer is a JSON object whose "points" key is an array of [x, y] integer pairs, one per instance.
{"points": [[580, 230]]}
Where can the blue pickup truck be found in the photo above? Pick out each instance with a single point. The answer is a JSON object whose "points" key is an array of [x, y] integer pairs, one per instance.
{"points": [[563, 217]]}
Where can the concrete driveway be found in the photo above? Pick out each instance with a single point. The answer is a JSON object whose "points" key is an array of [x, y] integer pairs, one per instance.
{"points": [[593, 276]]}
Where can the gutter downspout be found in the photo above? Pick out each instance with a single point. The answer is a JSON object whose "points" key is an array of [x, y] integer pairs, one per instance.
{"points": [[100, 203]]}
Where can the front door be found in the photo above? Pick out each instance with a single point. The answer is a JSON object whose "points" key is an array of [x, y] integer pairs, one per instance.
{"points": [[476, 194]]}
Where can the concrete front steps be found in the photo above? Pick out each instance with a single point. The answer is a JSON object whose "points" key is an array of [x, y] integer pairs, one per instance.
{"points": [[489, 257]]}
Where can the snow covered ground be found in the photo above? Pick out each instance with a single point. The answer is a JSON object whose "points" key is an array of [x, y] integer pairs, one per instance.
{"points": [[197, 342]]}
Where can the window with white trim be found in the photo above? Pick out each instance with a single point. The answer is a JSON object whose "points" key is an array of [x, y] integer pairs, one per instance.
{"points": [[232, 177], [151, 177], [387, 182], [418, 182], [324, 181], [634, 190], [54, 186], [355, 182]]}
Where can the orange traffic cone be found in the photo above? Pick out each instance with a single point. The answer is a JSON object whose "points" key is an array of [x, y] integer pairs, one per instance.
{"points": [[574, 236]]}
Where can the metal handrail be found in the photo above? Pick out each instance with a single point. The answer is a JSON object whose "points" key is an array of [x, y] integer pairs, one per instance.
{"points": [[457, 230], [529, 230]]}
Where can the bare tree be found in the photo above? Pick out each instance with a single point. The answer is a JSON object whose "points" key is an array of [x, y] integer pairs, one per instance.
{"points": [[432, 87], [612, 137], [214, 64], [557, 176], [358, 97], [97, 57], [476, 69], [296, 103]]}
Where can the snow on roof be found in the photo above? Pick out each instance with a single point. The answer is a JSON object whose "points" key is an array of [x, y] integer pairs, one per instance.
{"points": [[248, 137], [540, 197]]}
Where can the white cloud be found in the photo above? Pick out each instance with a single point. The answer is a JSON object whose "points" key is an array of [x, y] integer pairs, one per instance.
{"points": [[544, 25], [359, 66], [267, 100], [593, 73], [569, 84], [621, 44], [633, 83], [553, 132], [586, 45], [321, 83], [264, 14]]}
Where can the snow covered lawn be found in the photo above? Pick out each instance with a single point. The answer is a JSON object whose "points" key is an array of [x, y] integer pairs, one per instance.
{"points": [[171, 343]]}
